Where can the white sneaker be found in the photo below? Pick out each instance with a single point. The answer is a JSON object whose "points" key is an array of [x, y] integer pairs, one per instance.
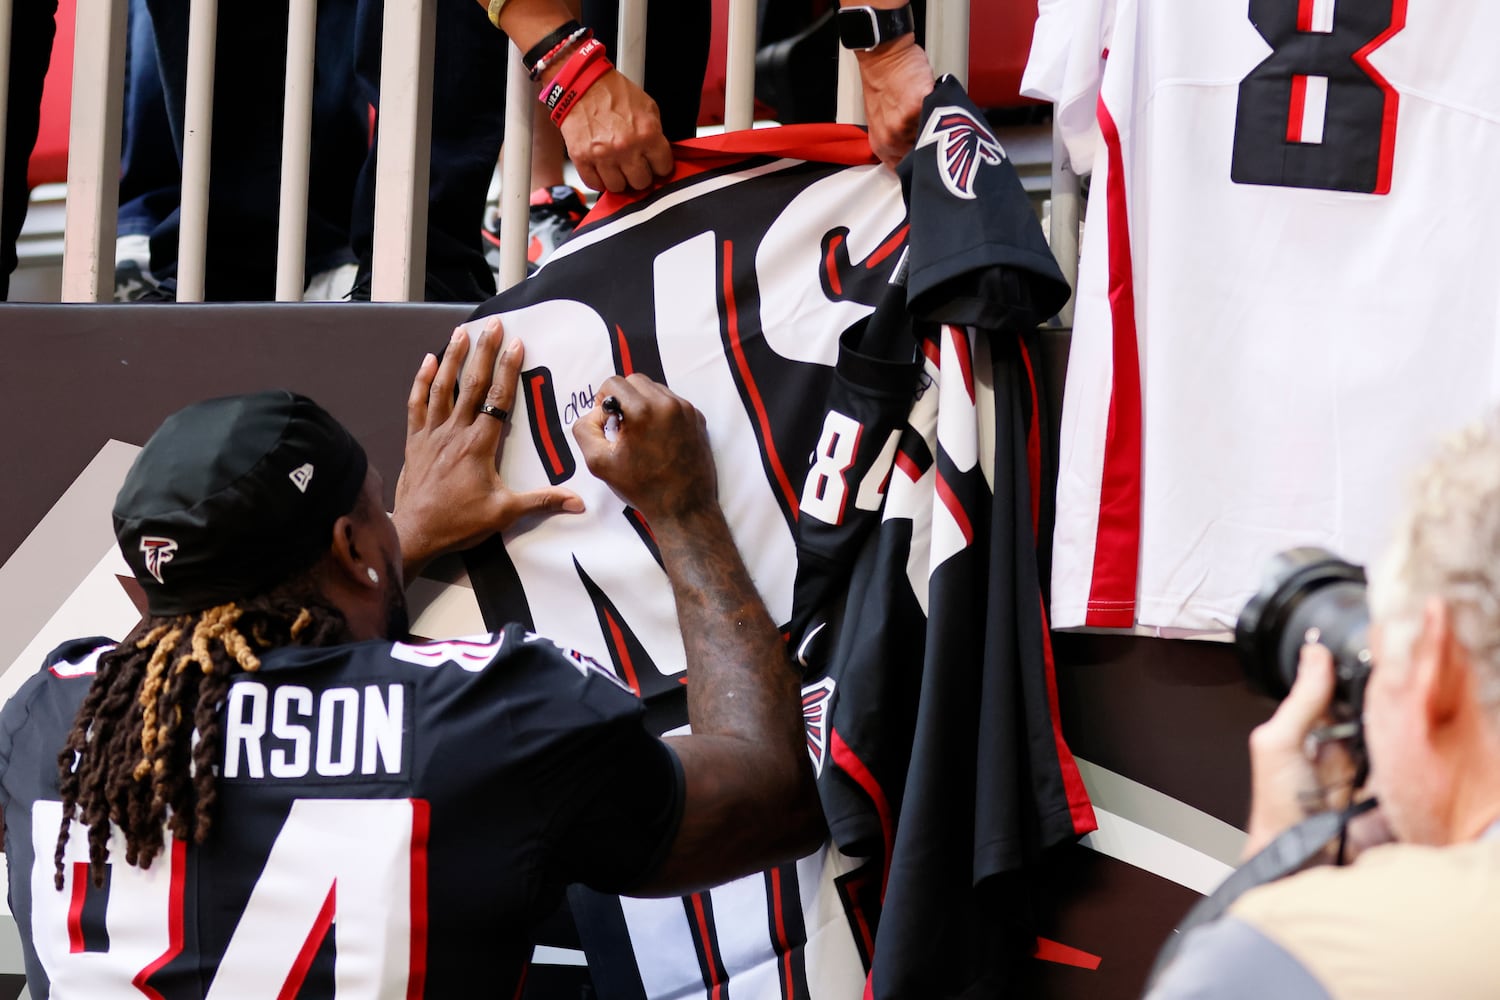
{"points": [[332, 285]]}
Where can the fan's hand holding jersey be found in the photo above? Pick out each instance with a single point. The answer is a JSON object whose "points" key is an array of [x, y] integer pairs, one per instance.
{"points": [[1286, 286], [392, 820]]}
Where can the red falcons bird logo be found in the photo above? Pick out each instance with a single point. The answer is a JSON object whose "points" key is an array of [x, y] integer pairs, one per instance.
{"points": [[965, 145], [158, 552]]}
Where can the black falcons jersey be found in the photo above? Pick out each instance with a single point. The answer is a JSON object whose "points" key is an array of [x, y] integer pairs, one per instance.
{"points": [[917, 595], [392, 820], [734, 285]]}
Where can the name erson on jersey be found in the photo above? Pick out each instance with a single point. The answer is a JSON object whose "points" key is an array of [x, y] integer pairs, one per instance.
{"points": [[293, 732]]}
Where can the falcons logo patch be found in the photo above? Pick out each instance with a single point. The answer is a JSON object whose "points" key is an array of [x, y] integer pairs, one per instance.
{"points": [[816, 700], [964, 145], [158, 552]]}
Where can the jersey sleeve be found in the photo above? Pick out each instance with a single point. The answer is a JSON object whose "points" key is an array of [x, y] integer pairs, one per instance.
{"points": [[1066, 66], [26, 773], [977, 255], [610, 792]]}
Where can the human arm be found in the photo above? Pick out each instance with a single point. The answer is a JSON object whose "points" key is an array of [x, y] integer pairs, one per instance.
{"points": [[749, 798], [450, 496], [613, 133], [896, 77]]}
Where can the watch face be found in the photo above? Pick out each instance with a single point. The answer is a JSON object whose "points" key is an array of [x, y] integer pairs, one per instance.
{"points": [[857, 28], [867, 27]]}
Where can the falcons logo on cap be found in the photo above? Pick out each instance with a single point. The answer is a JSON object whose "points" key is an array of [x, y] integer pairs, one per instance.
{"points": [[966, 144], [158, 552]]}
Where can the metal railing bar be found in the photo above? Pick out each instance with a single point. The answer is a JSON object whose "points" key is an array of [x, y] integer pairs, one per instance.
{"points": [[296, 159], [94, 154], [405, 140]]}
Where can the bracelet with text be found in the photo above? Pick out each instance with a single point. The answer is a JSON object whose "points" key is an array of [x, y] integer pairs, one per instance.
{"points": [[579, 87], [583, 59], [547, 44], [558, 51]]}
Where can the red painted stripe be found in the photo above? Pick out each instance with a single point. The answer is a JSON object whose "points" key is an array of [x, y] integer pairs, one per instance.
{"points": [[889, 247], [783, 946], [421, 823], [1079, 807], [75, 906], [539, 414], [743, 364], [1061, 954], [521, 983], [965, 358], [855, 768], [950, 500], [174, 922], [715, 982], [1297, 113], [295, 978], [907, 466], [627, 367], [1392, 98], [617, 636], [1033, 445], [1118, 536], [830, 266], [1304, 15]]}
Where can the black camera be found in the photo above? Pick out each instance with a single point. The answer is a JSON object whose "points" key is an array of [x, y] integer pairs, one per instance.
{"points": [[1309, 594]]}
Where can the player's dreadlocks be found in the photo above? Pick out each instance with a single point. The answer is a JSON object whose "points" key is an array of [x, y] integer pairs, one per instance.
{"points": [[137, 762]]}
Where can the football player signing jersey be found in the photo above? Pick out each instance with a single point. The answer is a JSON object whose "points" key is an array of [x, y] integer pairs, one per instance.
{"points": [[1286, 285], [392, 819]]}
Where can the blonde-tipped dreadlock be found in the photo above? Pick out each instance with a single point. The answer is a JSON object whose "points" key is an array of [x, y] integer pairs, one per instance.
{"points": [[138, 766]]}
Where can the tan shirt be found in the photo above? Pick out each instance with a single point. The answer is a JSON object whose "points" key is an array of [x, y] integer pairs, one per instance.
{"points": [[1404, 922]]}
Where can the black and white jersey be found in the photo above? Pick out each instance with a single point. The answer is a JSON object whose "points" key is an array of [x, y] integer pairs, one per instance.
{"points": [[918, 598], [392, 820], [750, 286]]}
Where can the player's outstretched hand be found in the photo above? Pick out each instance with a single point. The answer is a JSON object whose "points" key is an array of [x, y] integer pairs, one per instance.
{"points": [[450, 495], [614, 136], [657, 459], [896, 78]]}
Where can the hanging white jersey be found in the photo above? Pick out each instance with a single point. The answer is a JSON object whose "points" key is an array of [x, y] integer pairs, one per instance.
{"points": [[1286, 286]]}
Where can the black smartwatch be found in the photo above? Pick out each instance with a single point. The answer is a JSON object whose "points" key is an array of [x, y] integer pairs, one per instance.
{"points": [[863, 28]]}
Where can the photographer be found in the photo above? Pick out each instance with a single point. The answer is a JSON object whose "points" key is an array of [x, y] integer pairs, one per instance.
{"points": [[1412, 918]]}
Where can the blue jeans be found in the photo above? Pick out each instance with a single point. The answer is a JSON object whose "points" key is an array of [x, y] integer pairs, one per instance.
{"points": [[244, 179], [150, 181], [468, 126]]}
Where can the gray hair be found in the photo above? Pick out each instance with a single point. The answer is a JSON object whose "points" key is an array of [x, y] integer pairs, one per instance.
{"points": [[1446, 544]]}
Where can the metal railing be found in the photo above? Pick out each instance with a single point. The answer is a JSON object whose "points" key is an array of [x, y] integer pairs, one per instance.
{"points": [[404, 136]]}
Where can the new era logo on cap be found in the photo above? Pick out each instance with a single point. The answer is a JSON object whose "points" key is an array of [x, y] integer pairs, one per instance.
{"points": [[301, 476], [158, 552]]}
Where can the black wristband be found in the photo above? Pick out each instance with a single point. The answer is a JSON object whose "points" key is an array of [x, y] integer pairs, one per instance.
{"points": [[535, 53]]}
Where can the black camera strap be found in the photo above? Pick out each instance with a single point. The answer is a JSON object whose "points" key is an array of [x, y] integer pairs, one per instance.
{"points": [[1288, 853]]}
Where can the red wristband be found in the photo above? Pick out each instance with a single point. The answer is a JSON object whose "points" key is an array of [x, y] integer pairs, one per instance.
{"points": [[579, 86], [582, 58]]}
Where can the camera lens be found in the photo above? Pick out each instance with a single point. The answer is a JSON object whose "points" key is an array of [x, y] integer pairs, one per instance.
{"points": [[1308, 593]]}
